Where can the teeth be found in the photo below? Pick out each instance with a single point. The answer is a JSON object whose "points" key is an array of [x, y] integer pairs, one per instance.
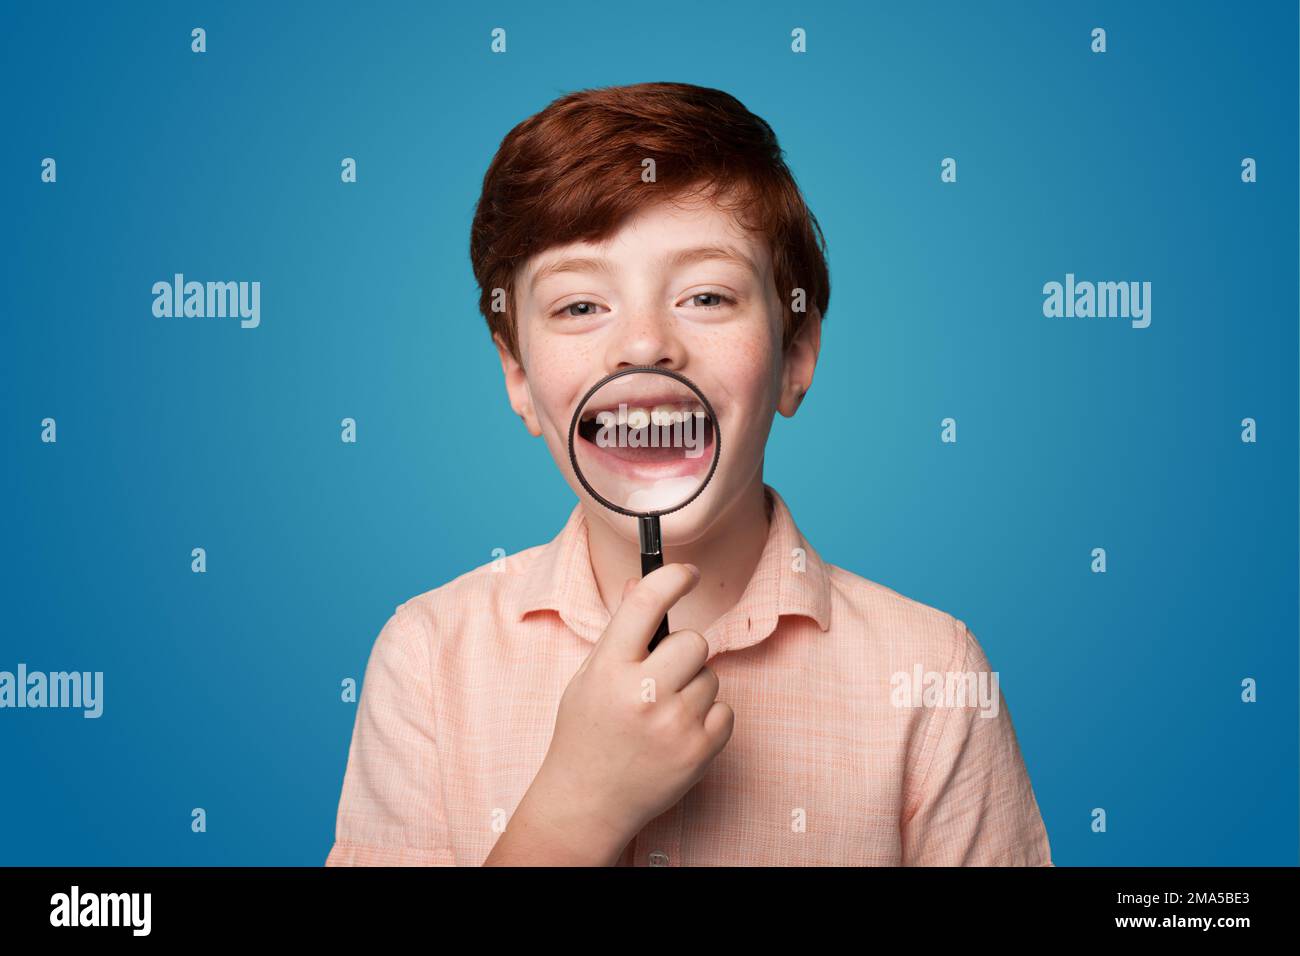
{"points": [[639, 416]]}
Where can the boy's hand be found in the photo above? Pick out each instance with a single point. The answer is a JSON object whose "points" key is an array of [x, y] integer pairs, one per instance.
{"points": [[635, 730]]}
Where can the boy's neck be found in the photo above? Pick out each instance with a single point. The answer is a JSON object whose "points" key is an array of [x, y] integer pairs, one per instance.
{"points": [[726, 557]]}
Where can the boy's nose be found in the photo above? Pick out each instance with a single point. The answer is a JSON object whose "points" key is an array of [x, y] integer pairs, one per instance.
{"points": [[647, 338]]}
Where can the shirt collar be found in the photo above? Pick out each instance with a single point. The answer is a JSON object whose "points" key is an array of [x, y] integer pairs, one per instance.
{"points": [[785, 582]]}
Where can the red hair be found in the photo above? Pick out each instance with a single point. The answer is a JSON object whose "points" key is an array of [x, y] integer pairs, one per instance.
{"points": [[573, 172]]}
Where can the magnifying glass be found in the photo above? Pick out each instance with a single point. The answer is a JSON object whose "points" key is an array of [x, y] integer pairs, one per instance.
{"points": [[644, 442]]}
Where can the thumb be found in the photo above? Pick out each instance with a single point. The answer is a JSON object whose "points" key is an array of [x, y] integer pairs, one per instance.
{"points": [[628, 585]]}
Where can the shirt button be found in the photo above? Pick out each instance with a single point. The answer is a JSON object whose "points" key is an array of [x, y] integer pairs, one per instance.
{"points": [[658, 858]]}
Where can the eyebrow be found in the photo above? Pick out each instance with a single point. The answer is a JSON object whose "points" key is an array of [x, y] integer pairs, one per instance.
{"points": [[682, 257], [685, 257], [569, 265]]}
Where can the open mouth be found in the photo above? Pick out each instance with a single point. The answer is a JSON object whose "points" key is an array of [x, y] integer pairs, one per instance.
{"points": [[672, 438]]}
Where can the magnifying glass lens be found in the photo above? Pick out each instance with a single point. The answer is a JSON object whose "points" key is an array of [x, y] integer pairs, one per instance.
{"points": [[644, 442]]}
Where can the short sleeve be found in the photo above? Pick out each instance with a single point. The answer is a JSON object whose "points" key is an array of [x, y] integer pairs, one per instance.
{"points": [[975, 805], [391, 810]]}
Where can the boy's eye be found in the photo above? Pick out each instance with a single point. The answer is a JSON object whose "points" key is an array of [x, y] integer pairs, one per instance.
{"points": [[718, 299], [584, 309]]}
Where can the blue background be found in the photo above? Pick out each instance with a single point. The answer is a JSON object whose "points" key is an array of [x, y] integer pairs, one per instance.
{"points": [[222, 689]]}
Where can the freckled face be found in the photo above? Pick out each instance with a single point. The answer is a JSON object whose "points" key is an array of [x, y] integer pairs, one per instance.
{"points": [[683, 287]]}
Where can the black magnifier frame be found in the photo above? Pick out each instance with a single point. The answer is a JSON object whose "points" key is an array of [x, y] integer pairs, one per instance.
{"points": [[652, 552]]}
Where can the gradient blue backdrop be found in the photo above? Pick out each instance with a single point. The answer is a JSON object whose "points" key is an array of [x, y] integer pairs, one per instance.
{"points": [[222, 689]]}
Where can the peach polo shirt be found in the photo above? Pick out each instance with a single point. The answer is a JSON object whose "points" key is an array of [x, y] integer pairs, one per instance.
{"points": [[827, 765]]}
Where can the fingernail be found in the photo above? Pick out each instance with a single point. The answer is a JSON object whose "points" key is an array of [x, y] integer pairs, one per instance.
{"points": [[694, 570]]}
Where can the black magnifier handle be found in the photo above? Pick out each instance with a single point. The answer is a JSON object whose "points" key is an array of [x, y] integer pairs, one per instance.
{"points": [[652, 557]]}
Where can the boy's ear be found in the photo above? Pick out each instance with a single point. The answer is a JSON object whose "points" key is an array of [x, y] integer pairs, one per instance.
{"points": [[521, 399], [799, 362]]}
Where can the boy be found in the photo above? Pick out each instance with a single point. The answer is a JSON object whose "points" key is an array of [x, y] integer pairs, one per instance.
{"points": [[502, 719]]}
